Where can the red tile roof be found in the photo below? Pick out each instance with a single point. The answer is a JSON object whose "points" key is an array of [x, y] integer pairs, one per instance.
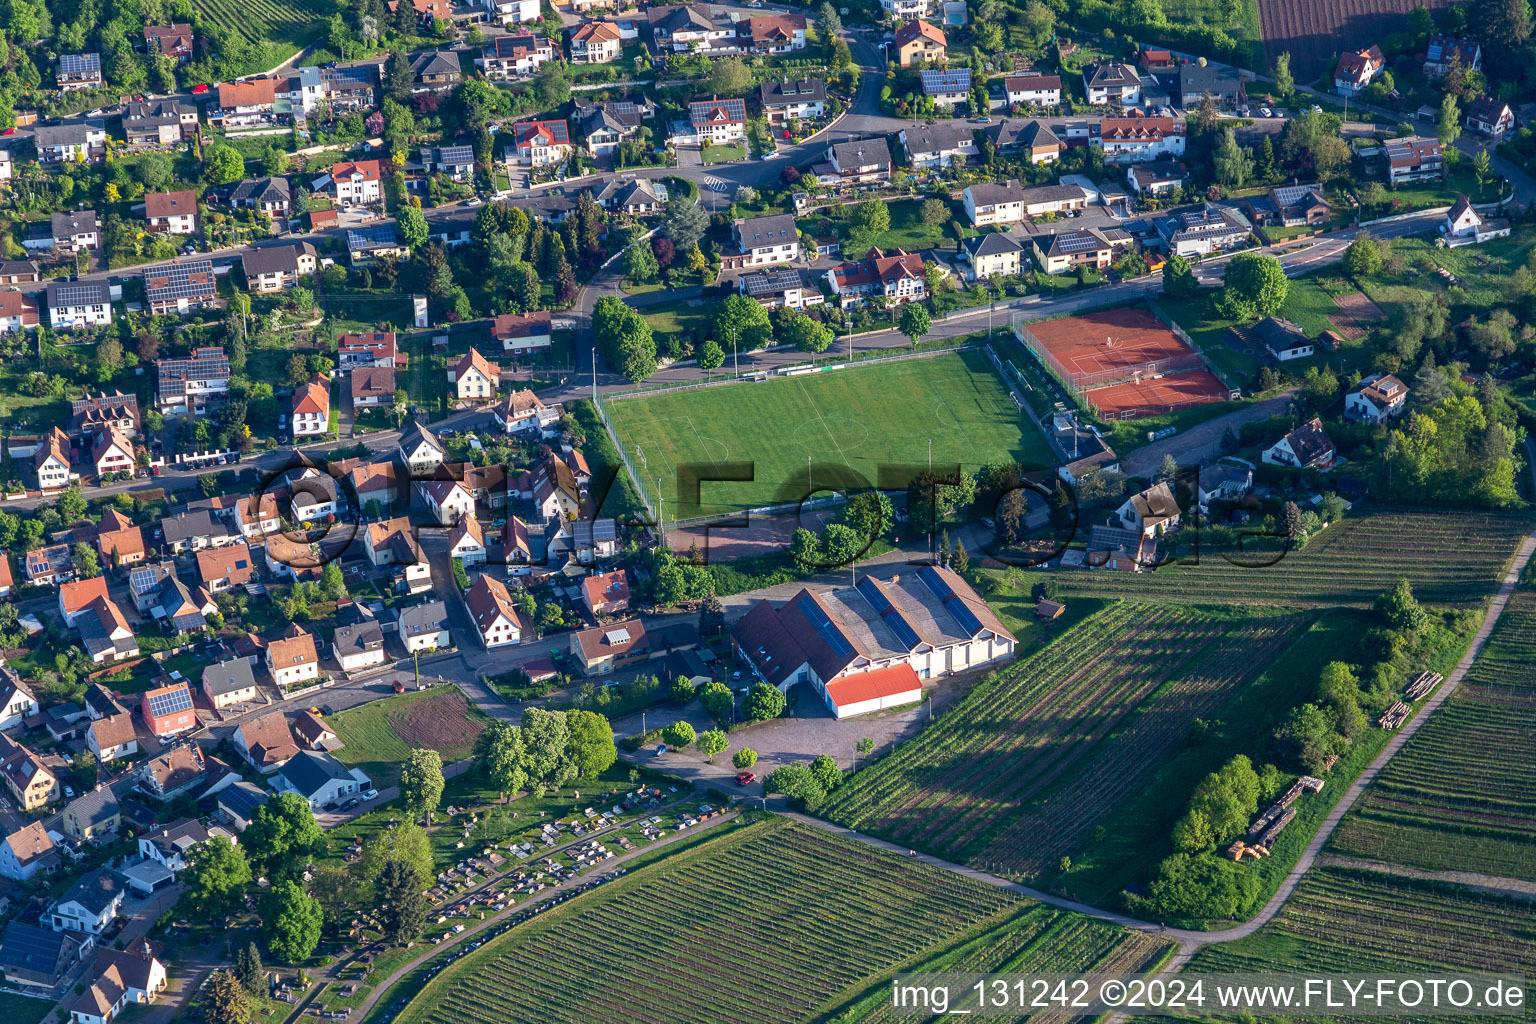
{"points": [[874, 684]]}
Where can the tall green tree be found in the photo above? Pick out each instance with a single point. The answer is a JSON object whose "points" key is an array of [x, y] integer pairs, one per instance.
{"points": [[547, 746], [914, 322], [1255, 286], [248, 970], [592, 746], [1233, 164], [1178, 278], [1284, 83], [1448, 124], [282, 835], [404, 841], [499, 751], [218, 877], [225, 1001], [403, 902], [290, 922], [421, 783]]}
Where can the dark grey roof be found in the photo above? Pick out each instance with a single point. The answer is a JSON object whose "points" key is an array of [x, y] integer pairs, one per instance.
{"points": [[308, 771], [178, 837], [358, 638], [453, 156], [273, 259], [95, 891], [1008, 134], [242, 798], [940, 137], [782, 92], [36, 951], [951, 80], [372, 236], [62, 294], [875, 152], [1111, 73], [262, 190], [994, 244], [183, 279], [190, 525], [78, 222], [417, 435], [1211, 80], [773, 281], [97, 806], [435, 62], [71, 133], [80, 63], [423, 618], [228, 677], [757, 232]]}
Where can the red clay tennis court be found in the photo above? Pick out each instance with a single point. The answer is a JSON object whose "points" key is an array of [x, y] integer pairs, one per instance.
{"points": [[1135, 399], [1111, 345]]}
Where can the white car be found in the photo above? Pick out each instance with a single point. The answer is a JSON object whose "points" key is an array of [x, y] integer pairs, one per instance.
{"points": [[1265, 112], [1316, 109]]}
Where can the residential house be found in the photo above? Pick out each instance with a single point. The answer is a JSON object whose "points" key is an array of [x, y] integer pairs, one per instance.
{"points": [[447, 501], [1112, 83], [799, 99], [940, 144], [904, 9], [229, 683], [466, 541], [194, 531], [89, 906], [244, 104], [1209, 83], [1033, 90], [1491, 117], [256, 516], [496, 618], [771, 33], [111, 452], [595, 42], [27, 852], [168, 710], [421, 450], [184, 386], [225, 567], [77, 141], [856, 162], [292, 658], [424, 627], [929, 620], [1132, 139], [1064, 251], [992, 254], [1203, 230], [354, 182], [1306, 447], [93, 816], [1151, 512], [374, 349], [173, 41], [17, 702], [79, 71], [1376, 398], [1158, 178], [896, 275], [312, 733], [1282, 339], [428, 12], [171, 845], [19, 272], [50, 463], [76, 596], [699, 28], [1357, 69], [112, 738], [122, 978], [93, 412], [118, 540], [785, 286], [50, 564], [601, 650], [358, 646], [721, 122], [1221, 482], [312, 407], [74, 231], [523, 411], [763, 241], [539, 143], [456, 162], [180, 287], [918, 41], [172, 772], [606, 593], [319, 778], [238, 803], [514, 12], [171, 213], [393, 542], [516, 548], [1414, 159], [276, 268], [516, 55], [521, 333], [272, 196], [993, 203], [162, 122], [947, 88], [1290, 206], [474, 377], [1465, 226], [1446, 52], [435, 71], [77, 304]]}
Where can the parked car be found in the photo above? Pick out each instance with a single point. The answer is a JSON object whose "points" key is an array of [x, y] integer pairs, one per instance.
{"points": [[399, 686], [1266, 112], [745, 778]]}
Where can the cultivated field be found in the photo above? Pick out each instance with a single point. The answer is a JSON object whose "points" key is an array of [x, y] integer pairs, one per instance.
{"points": [[1313, 31], [1025, 766], [1359, 313], [267, 21], [771, 923], [1458, 796], [1451, 557], [853, 419], [382, 734], [1358, 922]]}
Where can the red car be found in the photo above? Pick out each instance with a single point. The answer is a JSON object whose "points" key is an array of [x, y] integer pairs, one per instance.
{"points": [[198, 90], [399, 686], [745, 778]]}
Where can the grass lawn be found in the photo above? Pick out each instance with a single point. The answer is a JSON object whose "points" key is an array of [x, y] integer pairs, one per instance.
{"points": [[1483, 271], [724, 154], [380, 735], [426, 377], [21, 1010], [846, 422], [1208, 13], [907, 230], [683, 315]]}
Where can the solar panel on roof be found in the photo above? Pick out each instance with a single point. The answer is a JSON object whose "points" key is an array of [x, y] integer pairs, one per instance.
{"points": [[76, 63], [818, 618], [181, 281], [80, 295], [170, 701], [963, 615], [888, 614]]}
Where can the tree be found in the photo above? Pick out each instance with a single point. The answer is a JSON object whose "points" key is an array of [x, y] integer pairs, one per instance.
{"points": [[223, 165], [1363, 257], [935, 212], [87, 770], [499, 752], [806, 334], [421, 783], [1284, 83], [218, 877], [1482, 166], [404, 841], [826, 771], [552, 87], [684, 221], [869, 514], [1402, 610], [681, 692], [797, 782], [640, 264], [282, 835], [744, 321], [729, 78], [1178, 279], [1448, 124], [87, 564], [1306, 737], [547, 746], [592, 746], [71, 505], [1233, 163], [402, 903], [398, 78], [248, 970], [1291, 516], [914, 321], [1255, 287], [413, 226], [333, 584], [290, 922], [718, 699], [711, 355], [873, 216], [225, 1000], [712, 742], [744, 758], [678, 735]]}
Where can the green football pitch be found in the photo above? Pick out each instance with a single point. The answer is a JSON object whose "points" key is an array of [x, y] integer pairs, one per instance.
{"points": [[845, 422]]}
